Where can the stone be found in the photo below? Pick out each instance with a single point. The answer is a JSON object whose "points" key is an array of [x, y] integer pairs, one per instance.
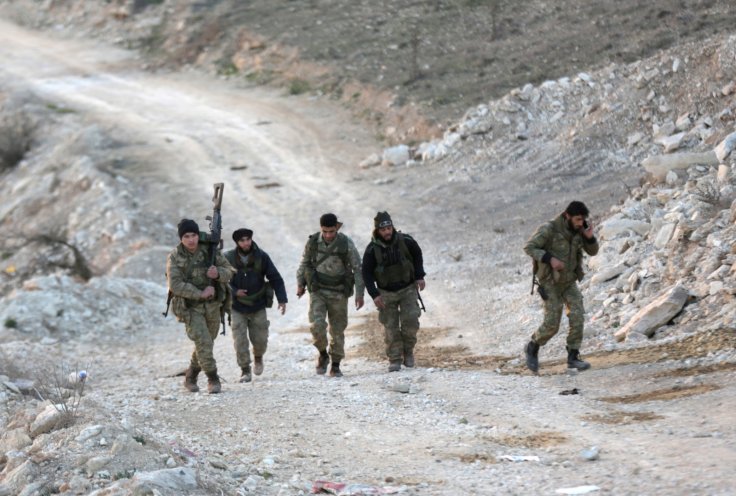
{"points": [[607, 273], [175, 480], [659, 165], [725, 147], [723, 172], [664, 235], [46, 421], [670, 143], [371, 160], [396, 155], [616, 226], [14, 440], [657, 313]]}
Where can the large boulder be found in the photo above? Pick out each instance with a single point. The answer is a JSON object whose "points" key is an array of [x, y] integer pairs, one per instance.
{"points": [[656, 314]]}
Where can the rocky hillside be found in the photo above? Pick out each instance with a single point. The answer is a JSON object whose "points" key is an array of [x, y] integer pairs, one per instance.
{"points": [[648, 144]]}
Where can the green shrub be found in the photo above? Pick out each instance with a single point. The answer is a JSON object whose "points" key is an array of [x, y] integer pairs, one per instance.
{"points": [[298, 86]]}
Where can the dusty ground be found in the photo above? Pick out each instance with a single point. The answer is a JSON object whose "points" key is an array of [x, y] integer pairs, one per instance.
{"points": [[659, 429]]}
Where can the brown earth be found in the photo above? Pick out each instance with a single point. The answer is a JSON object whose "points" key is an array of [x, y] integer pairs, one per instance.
{"points": [[407, 68]]}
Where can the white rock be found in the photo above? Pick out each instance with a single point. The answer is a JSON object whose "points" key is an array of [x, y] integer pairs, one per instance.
{"points": [[664, 235], [657, 313], [370, 161], [46, 421], [671, 143], [178, 480], [396, 155], [659, 165], [725, 147]]}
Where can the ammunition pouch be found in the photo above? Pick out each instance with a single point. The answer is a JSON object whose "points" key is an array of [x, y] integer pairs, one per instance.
{"points": [[180, 309]]}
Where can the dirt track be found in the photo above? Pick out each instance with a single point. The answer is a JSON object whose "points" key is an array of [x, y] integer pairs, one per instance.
{"points": [[445, 437]]}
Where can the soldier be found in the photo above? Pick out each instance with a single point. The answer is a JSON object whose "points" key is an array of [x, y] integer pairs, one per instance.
{"points": [[330, 269], [199, 292], [251, 296], [557, 249], [393, 271]]}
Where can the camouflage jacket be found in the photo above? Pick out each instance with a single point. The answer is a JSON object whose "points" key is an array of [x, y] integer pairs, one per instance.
{"points": [[341, 264], [187, 273], [556, 239]]}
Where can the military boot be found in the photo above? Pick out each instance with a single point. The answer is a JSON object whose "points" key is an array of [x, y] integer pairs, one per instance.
{"points": [[335, 370], [245, 374], [258, 367], [394, 366], [322, 361], [409, 359], [190, 379], [532, 359], [213, 382], [574, 361]]}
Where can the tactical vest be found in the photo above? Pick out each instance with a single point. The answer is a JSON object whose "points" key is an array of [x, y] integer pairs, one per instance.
{"points": [[397, 273], [319, 280], [253, 266]]}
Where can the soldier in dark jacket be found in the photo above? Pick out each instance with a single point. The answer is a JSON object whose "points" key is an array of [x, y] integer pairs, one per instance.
{"points": [[393, 270], [557, 248], [251, 296], [199, 292]]}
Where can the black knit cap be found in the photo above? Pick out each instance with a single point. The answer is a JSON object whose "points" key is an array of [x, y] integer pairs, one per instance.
{"points": [[187, 226], [241, 233], [328, 220], [382, 219], [577, 208]]}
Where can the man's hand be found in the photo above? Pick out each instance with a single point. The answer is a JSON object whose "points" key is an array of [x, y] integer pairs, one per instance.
{"points": [[299, 291], [588, 233], [378, 301], [359, 302], [241, 293], [556, 264], [208, 293], [212, 272], [282, 308], [420, 284]]}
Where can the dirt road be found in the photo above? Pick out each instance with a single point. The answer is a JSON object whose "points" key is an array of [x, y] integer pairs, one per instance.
{"points": [[437, 429]]}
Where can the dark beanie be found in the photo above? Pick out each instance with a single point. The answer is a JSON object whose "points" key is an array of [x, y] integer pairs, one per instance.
{"points": [[382, 219], [241, 233], [577, 208], [328, 220], [187, 226]]}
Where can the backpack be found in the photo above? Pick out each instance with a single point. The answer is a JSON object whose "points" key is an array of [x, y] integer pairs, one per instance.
{"points": [[318, 280]]}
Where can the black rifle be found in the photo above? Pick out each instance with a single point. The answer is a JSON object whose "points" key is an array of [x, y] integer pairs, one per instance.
{"points": [[421, 303], [215, 237]]}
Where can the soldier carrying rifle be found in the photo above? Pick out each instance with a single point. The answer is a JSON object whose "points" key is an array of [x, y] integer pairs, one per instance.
{"points": [[198, 277]]}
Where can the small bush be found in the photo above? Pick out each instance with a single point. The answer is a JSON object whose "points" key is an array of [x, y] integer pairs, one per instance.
{"points": [[298, 86], [63, 386], [16, 136], [227, 68], [11, 323]]}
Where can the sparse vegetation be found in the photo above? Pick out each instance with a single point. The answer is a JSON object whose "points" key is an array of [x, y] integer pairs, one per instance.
{"points": [[16, 137], [11, 323], [63, 386], [298, 86]]}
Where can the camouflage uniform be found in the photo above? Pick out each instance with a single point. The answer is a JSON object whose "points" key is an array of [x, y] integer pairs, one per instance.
{"points": [[392, 269], [556, 239], [187, 278], [330, 284]]}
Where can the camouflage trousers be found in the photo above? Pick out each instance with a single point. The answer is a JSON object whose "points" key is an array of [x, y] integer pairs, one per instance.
{"points": [[202, 327], [249, 328], [400, 319], [333, 307], [568, 295]]}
